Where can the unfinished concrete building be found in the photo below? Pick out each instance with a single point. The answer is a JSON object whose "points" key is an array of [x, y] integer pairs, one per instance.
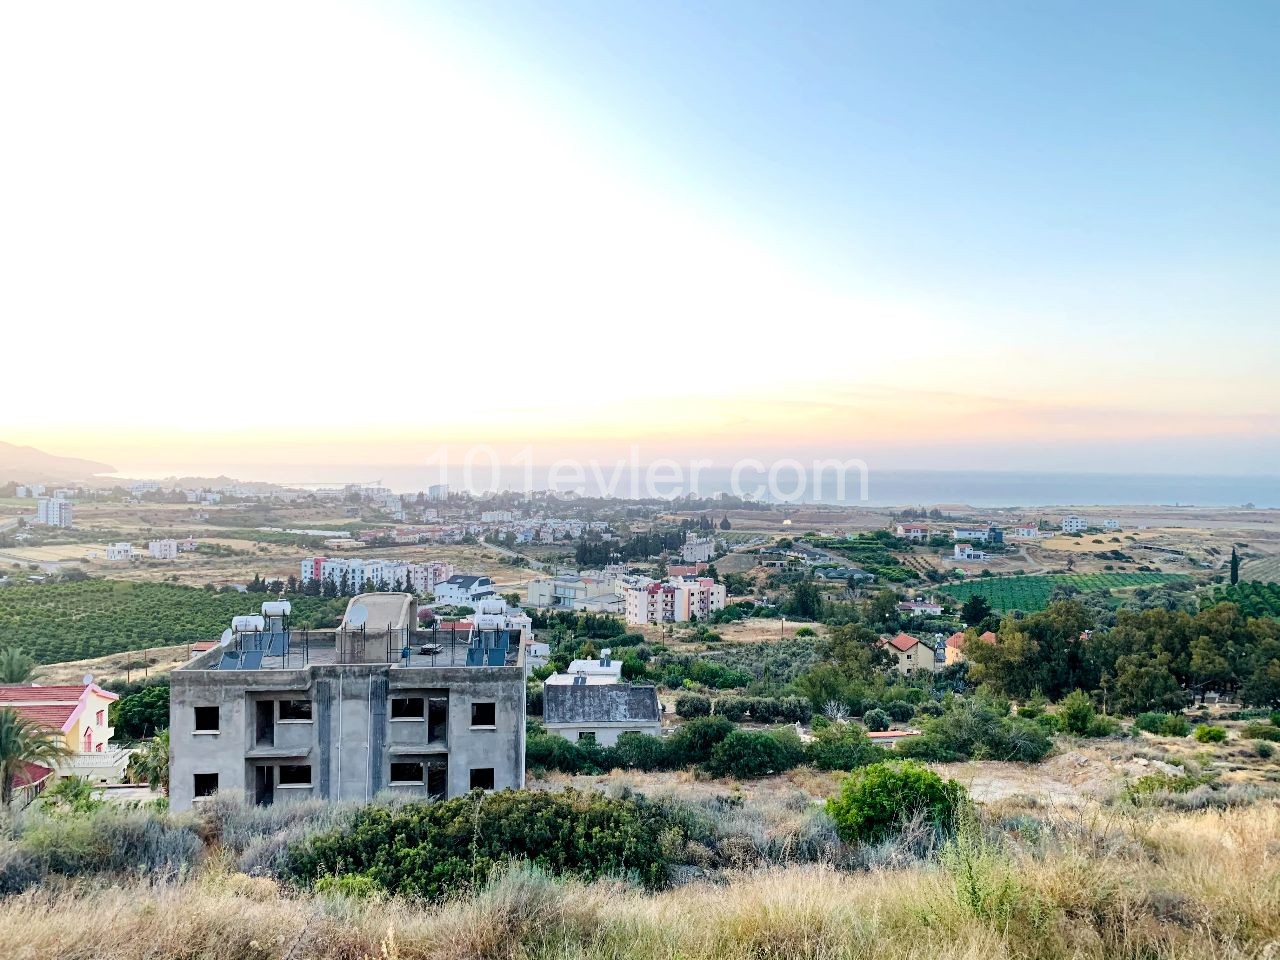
{"points": [[279, 714]]}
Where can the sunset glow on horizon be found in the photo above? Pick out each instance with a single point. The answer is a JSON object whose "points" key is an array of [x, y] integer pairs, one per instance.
{"points": [[325, 233]]}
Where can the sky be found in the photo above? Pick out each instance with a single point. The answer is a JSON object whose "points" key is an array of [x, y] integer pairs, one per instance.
{"points": [[1002, 236]]}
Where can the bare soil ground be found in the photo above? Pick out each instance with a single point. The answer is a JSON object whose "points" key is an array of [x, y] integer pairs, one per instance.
{"points": [[130, 665]]}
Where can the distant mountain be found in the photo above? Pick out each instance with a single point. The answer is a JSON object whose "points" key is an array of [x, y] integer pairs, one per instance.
{"points": [[25, 464]]}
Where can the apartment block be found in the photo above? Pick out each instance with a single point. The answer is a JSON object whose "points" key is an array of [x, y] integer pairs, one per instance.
{"points": [[278, 715]]}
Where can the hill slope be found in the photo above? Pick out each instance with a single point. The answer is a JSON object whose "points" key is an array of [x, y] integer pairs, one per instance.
{"points": [[29, 464]]}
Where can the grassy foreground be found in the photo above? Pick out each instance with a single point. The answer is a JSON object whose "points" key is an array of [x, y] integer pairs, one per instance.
{"points": [[1144, 883]]}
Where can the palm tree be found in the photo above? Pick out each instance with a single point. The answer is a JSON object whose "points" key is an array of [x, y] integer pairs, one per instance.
{"points": [[15, 665], [25, 741], [150, 764]]}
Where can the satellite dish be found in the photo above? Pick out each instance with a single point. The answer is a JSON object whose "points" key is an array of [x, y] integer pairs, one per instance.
{"points": [[357, 614], [226, 637], [88, 679]]}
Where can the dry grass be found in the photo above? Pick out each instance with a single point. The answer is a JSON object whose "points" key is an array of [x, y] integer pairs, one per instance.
{"points": [[1103, 884]]}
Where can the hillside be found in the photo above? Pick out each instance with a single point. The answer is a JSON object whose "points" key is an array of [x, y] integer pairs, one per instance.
{"points": [[27, 464]]}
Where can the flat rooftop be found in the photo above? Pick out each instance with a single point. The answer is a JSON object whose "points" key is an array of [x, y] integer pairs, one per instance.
{"points": [[379, 612]]}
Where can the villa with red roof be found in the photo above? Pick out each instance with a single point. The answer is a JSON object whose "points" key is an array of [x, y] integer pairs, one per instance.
{"points": [[957, 641], [912, 653], [80, 712]]}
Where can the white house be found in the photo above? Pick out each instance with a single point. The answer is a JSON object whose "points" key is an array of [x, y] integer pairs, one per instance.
{"points": [[1027, 532], [912, 531], [980, 534], [1074, 524], [598, 709], [463, 590], [697, 549], [120, 551], [1111, 525], [965, 551], [163, 549]]}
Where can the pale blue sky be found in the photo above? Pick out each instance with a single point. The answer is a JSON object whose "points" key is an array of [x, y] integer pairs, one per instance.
{"points": [[965, 235], [1090, 162]]}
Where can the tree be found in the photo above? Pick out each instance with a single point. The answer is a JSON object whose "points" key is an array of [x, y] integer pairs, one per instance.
{"points": [[975, 610], [24, 741], [150, 765], [15, 665], [1077, 712], [724, 523], [1235, 566]]}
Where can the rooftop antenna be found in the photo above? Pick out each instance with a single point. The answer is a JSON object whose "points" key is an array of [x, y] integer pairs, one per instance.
{"points": [[88, 679], [227, 636]]}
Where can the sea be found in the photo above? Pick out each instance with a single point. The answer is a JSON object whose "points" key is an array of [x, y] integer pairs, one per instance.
{"points": [[784, 482]]}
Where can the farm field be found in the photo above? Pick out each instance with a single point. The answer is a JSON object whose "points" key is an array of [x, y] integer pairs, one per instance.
{"points": [[1255, 598], [1032, 593], [1264, 570], [71, 621]]}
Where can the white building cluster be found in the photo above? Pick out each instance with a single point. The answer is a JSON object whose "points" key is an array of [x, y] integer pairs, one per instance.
{"points": [[421, 578]]}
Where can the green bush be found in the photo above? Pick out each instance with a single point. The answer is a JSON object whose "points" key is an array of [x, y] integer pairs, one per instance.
{"points": [[842, 746], [141, 714], [689, 705], [732, 708], [1261, 731], [1163, 724], [875, 801], [1263, 749], [900, 711], [795, 710], [977, 729], [1101, 726], [876, 720], [1210, 734], [693, 742], [640, 751], [436, 850], [748, 754], [1076, 712]]}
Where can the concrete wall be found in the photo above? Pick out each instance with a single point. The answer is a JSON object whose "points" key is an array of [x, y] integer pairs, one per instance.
{"points": [[606, 733], [351, 740]]}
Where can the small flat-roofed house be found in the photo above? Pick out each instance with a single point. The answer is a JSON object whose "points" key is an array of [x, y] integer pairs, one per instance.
{"points": [[597, 708]]}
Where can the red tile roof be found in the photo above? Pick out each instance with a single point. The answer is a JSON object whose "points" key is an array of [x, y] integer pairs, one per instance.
{"points": [[28, 773], [51, 706], [956, 640], [903, 642], [989, 637]]}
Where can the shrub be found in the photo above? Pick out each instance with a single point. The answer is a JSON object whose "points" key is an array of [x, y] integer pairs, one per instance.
{"points": [[693, 742], [843, 746], [765, 709], [795, 710], [900, 710], [1261, 731], [876, 720], [640, 751], [875, 801], [1163, 724], [690, 705], [1263, 749], [732, 708], [1207, 733], [435, 850], [806, 632], [748, 754], [1076, 713], [976, 729], [1101, 726]]}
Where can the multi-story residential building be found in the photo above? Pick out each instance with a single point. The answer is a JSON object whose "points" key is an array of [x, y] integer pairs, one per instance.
{"points": [[912, 531], [1111, 525], [697, 549], [63, 493], [914, 654], [54, 513], [463, 590], [965, 551], [978, 534], [674, 601], [163, 549], [1027, 531], [419, 578], [1074, 524], [574, 592], [438, 492], [120, 551], [279, 715]]}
